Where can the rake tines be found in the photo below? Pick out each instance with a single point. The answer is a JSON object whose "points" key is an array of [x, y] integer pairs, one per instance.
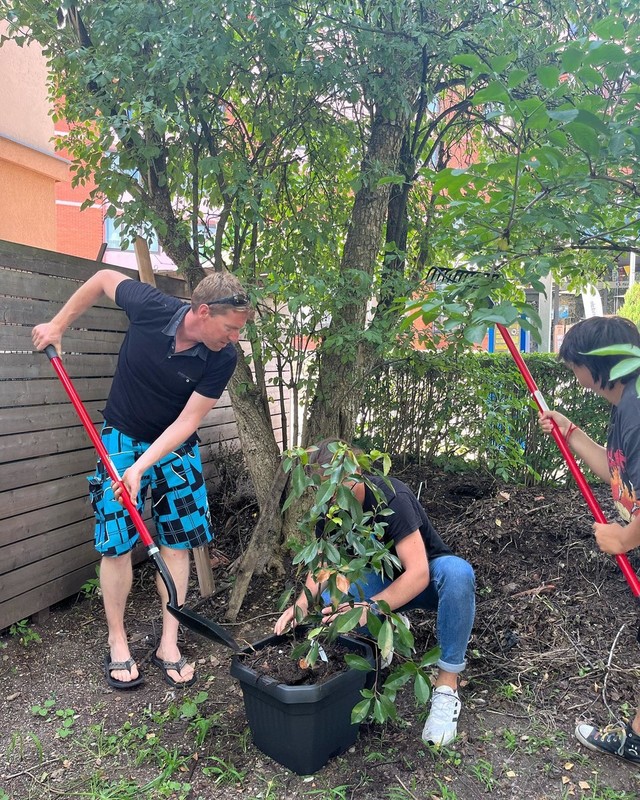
{"points": [[454, 275]]}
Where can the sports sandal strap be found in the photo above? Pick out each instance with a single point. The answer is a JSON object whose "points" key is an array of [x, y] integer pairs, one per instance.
{"points": [[116, 665], [176, 665]]}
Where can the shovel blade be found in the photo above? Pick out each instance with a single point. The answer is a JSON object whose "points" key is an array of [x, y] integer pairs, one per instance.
{"points": [[205, 627]]}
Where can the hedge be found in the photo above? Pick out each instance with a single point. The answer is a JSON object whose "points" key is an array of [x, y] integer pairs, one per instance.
{"points": [[474, 411]]}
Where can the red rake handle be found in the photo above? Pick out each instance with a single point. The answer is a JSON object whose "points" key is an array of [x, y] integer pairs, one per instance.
{"points": [[623, 561], [97, 443]]}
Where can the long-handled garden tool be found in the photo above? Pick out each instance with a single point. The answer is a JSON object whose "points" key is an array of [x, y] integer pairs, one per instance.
{"points": [[460, 275], [188, 618]]}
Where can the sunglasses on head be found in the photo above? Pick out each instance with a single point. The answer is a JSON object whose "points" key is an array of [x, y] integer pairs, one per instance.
{"points": [[237, 300]]}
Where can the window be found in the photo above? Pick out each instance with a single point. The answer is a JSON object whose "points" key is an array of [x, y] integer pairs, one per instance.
{"points": [[113, 237]]}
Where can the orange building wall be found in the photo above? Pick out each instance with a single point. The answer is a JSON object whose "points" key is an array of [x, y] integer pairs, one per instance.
{"points": [[27, 199], [80, 232], [29, 166], [27, 211]]}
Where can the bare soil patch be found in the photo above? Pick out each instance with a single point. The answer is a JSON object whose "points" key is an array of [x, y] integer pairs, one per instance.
{"points": [[554, 643], [276, 661]]}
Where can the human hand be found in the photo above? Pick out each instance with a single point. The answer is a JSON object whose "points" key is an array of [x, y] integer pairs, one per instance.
{"points": [[130, 482], [285, 621], [329, 613], [547, 418], [45, 334], [613, 538]]}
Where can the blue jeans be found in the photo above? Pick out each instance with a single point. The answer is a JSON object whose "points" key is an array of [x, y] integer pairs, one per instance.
{"points": [[451, 592]]}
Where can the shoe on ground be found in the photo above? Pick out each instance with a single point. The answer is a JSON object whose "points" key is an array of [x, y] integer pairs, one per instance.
{"points": [[441, 726], [112, 666], [173, 666], [616, 740]]}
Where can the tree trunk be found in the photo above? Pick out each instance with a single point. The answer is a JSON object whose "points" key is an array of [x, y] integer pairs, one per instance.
{"points": [[394, 275], [397, 222], [334, 407], [175, 244], [262, 455], [265, 535], [256, 434]]}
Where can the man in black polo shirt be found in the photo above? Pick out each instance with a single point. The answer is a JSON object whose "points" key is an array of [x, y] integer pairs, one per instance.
{"points": [[173, 365]]}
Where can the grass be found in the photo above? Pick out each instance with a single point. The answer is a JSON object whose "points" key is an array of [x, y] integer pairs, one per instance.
{"points": [[163, 752], [97, 753]]}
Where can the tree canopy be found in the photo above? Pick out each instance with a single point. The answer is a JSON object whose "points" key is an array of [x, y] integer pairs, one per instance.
{"points": [[332, 153]]}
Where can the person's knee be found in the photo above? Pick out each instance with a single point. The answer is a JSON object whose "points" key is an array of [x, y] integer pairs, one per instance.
{"points": [[116, 561], [458, 572], [466, 574], [174, 555]]}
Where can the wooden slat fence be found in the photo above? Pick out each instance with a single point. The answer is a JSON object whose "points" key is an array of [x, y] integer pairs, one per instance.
{"points": [[46, 522]]}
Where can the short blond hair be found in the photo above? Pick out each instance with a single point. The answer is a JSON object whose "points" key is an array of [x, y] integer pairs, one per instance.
{"points": [[215, 286]]}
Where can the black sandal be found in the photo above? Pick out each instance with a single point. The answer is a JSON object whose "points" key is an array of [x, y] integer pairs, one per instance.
{"points": [[110, 666], [178, 666]]}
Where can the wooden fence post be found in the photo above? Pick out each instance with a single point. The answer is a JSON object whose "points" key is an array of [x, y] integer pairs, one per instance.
{"points": [[143, 260]]}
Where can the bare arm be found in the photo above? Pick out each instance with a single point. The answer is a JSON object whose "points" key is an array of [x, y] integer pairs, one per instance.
{"points": [[415, 572], [104, 282], [413, 579], [592, 453]]}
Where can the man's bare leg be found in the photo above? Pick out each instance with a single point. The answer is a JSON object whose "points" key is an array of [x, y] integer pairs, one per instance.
{"points": [[116, 577], [177, 562]]}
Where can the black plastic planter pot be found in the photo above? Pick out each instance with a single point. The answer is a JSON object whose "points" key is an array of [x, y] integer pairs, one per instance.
{"points": [[302, 727]]}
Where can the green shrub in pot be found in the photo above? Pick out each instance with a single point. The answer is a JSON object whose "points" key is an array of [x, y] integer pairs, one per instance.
{"points": [[351, 544]]}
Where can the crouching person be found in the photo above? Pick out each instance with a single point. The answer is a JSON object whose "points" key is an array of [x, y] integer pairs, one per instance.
{"points": [[430, 577]]}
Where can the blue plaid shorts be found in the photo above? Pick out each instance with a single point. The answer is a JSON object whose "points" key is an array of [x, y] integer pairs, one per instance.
{"points": [[178, 497]]}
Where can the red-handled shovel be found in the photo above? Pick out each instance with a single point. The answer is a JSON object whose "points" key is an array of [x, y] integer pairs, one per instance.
{"points": [[587, 493], [458, 276], [188, 618]]}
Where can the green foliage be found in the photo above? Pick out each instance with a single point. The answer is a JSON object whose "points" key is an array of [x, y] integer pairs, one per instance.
{"points": [[482, 770], [24, 633], [190, 707], [504, 138], [473, 410], [445, 791], [550, 188], [333, 793], [143, 750], [224, 773], [65, 717], [45, 709], [91, 587], [628, 364], [351, 546], [631, 305]]}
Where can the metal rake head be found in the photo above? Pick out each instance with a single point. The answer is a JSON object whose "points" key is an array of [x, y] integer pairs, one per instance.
{"points": [[455, 275]]}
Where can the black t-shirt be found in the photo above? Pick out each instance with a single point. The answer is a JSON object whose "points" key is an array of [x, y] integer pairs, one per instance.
{"points": [[152, 384], [408, 515]]}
